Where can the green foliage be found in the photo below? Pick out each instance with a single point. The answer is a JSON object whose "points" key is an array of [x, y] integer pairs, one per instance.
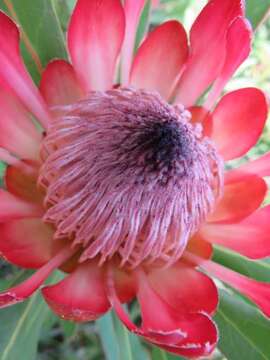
{"points": [[118, 343], [21, 325], [257, 11], [39, 21], [108, 337], [259, 269], [243, 329], [143, 24], [158, 354]]}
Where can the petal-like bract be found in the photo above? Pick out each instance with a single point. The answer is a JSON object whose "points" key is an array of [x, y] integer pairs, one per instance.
{"points": [[26, 242], [237, 50], [238, 201], [165, 48], [95, 36], [238, 121], [208, 48], [133, 10], [13, 73], [250, 237], [59, 84], [18, 134], [81, 295]]}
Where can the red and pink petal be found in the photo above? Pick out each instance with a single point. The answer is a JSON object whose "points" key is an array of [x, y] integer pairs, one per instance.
{"points": [[160, 58], [27, 243], [238, 201], [197, 245], [59, 84], [24, 290], [200, 115], [133, 10], [260, 166], [238, 121], [237, 50], [13, 73], [125, 285], [201, 340], [12, 207], [190, 335], [208, 48], [185, 289], [95, 36], [258, 292], [21, 181], [249, 237], [81, 296], [18, 134]]}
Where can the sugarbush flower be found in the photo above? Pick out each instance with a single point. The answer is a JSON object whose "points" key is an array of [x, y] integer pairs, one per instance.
{"points": [[123, 184]]}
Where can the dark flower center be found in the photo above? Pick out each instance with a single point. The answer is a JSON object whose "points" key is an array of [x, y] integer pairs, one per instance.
{"points": [[158, 148]]}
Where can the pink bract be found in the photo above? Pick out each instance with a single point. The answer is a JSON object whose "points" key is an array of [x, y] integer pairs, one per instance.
{"points": [[125, 188]]}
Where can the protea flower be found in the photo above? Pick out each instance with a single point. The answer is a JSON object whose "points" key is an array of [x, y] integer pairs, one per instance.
{"points": [[124, 188]]}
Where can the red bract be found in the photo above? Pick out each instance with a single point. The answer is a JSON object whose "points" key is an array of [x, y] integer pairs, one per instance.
{"points": [[125, 188]]}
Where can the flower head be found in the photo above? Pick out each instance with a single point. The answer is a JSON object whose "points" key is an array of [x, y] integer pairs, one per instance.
{"points": [[125, 189], [127, 174]]}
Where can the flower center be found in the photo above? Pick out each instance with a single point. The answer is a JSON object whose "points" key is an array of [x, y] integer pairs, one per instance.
{"points": [[127, 174]]}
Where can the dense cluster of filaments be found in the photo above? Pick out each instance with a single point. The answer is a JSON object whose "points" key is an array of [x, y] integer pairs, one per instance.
{"points": [[127, 174]]}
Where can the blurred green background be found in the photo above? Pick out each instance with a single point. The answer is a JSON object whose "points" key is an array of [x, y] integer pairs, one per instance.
{"points": [[29, 331]]}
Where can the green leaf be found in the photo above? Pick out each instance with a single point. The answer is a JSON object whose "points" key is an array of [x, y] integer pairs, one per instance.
{"points": [[39, 23], [108, 336], [172, 9], [21, 325], [257, 11], [63, 10], [137, 349], [143, 23], [118, 343], [130, 345], [123, 341], [2, 171], [69, 327], [258, 270], [244, 331], [158, 354]]}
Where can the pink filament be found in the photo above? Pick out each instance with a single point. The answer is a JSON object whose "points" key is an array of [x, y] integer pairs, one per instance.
{"points": [[102, 191]]}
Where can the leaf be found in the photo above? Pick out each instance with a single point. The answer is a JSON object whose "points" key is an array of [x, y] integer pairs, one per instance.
{"points": [[143, 24], [63, 10], [108, 336], [244, 331], [123, 338], [2, 171], [258, 270], [129, 343], [20, 327], [118, 343], [158, 354], [69, 327], [257, 11], [41, 27], [172, 9], [137, 348]]}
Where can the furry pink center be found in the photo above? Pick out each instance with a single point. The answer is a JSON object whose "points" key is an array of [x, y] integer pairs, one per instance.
{"points": [[127, 174]]}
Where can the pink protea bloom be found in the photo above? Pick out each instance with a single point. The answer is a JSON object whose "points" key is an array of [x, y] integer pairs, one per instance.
{"points": [[125, 189]]}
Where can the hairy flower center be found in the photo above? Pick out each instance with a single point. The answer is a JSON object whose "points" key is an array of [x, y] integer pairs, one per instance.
{"points": [[127, 174]]}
